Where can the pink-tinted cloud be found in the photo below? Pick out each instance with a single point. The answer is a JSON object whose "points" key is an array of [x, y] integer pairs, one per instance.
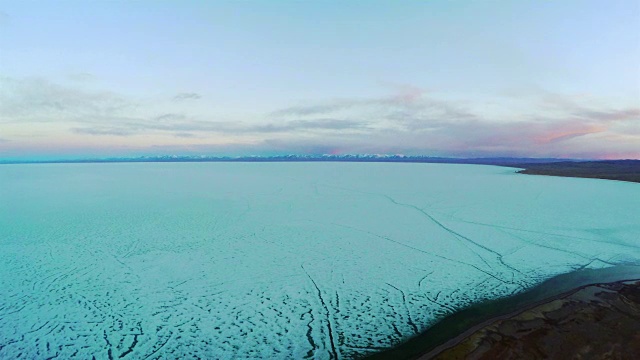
{"points": [[408, 121], [561, 132]]}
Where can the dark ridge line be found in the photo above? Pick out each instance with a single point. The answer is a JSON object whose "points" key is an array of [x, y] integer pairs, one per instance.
{"points": [[130, 349], [54, 356], [544, 233], [133, 343], [450, 308], [458, 235], [451, 231], [334, 353], [455, 234], [109, 350], [426, 252], [13, 312], [43, 325], [309, 337], [395, 328], [161, 346], [423, 278], [406, 307], [56, 326]]}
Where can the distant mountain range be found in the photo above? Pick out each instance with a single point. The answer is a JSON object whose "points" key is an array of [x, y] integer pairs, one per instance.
{"points": [[623, 170], [298, 158]]}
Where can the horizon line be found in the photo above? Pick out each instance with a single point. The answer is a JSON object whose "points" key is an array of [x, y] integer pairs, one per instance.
{"points": [[356, 157]]}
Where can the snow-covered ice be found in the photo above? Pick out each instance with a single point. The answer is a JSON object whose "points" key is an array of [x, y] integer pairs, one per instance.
{"points": [[281, 260]]}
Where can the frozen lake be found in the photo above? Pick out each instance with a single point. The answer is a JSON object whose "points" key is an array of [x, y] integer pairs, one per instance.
{"points": [[281, 260]]}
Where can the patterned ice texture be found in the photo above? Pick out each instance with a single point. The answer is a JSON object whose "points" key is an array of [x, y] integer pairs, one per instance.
{"points": [[281, 260]]}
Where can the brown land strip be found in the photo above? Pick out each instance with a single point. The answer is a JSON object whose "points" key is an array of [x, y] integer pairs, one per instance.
{"points": [[591, 322], [461, 324], [621, 170]]}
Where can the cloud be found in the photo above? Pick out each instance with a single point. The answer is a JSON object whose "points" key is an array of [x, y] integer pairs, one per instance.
{"points": [[318, 109], [81, 77], [410, 111], [412, 121], [185, 135], [187, 96], [114, 131], [5, 18], [409, 120], [316, 124], [170, 117], [610, 115], [38, 100], [564, 131], [179, 124], [405, 96]]}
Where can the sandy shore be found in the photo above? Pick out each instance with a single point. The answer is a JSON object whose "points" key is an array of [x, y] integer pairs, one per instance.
{"points": [[591, 322], [455, 329]]}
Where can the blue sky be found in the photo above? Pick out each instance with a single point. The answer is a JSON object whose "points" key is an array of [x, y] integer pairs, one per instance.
{"points": [[444, 78]]}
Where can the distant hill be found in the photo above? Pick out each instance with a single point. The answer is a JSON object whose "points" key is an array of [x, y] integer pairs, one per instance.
{"points": [[299, 158], [623, 170]]}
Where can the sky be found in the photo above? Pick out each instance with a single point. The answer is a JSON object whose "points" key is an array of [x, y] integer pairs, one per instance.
{"points": [[438, 78]]}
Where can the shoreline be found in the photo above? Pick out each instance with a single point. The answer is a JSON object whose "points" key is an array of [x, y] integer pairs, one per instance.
{"points": [[467, 335], [617, 170], [456, 328]]}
